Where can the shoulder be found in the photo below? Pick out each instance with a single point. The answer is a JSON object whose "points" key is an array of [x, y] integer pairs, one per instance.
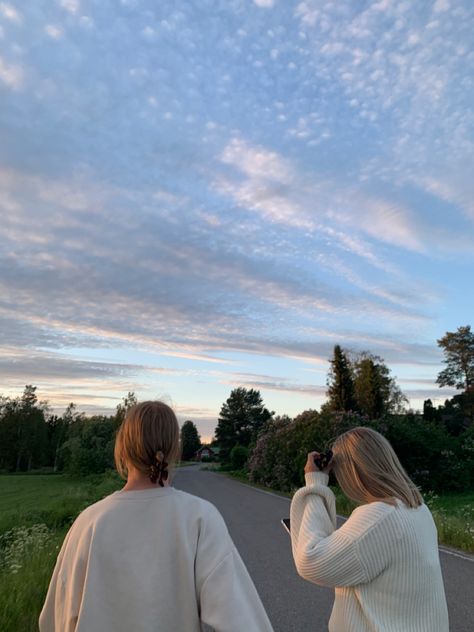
{"points": [[183, 502], [208, 516], [368, 517], [199, 507]]}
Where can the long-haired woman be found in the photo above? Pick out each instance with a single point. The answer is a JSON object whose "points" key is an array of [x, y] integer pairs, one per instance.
{"points": [[383, 561], [150, 557]]}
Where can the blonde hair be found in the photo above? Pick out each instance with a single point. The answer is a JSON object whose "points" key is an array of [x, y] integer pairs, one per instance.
{"points": [[148, 439], [367, 469]]}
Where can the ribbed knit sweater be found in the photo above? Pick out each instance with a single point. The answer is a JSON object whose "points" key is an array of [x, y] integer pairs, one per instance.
{"points": [[157, 560], [383, 562]]}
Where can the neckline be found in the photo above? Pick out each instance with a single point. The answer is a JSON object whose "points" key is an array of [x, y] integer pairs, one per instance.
{"points": [[143, 493]]}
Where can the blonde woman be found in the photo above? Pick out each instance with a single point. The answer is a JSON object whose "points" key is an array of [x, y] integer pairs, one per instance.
{"points": [[384, 560], [150, 557]]}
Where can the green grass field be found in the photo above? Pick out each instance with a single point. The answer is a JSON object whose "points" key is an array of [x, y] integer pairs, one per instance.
{"points": [[35, 513]]}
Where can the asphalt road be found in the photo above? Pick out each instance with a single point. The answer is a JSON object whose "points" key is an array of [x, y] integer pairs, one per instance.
{"points": [[294, 605]]}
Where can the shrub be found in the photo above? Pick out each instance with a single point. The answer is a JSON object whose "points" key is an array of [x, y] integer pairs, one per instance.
{"points": [[238, 457]]}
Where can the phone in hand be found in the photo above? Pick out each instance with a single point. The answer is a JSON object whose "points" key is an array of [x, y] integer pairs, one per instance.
{"points": [[286, 524]]}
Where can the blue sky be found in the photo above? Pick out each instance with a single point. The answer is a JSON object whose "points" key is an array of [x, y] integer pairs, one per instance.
{"points": [[201, 195]]}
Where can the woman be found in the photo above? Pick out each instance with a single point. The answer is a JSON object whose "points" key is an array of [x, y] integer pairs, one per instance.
{"points": [[150, 558], [384, 560]]}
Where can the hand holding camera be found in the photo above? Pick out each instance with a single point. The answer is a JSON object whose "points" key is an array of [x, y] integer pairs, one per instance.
{"points": [[319, 462]]}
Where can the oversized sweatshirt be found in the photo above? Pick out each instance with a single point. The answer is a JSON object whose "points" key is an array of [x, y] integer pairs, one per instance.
{"points": [[157, 560], [383, 562]]}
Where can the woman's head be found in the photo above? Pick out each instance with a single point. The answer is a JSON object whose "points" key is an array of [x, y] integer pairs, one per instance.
{"points": [[367, 469], [147, 438]]}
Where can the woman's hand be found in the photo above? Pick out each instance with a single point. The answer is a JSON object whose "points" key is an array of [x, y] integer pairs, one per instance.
{"points": [[312, 467]]}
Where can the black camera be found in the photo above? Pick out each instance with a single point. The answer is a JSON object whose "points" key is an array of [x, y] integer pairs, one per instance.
{"points": [[322, 461]]}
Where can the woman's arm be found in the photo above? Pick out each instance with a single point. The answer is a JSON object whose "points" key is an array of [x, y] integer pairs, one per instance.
{"points": [[228, 599], [334, 557], [61, 608], [57, 614]]}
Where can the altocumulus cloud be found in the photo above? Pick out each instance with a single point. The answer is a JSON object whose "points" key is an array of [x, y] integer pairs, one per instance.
{"points": [[182, 189]]}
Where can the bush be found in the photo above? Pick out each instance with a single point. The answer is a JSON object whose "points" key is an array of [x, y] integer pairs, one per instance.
{"points": [[280, 454], [433, 458], [238, 457], [90, 449]]}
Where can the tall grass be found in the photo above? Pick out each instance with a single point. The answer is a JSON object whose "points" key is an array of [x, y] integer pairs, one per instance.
{"points": [[35, 514]]}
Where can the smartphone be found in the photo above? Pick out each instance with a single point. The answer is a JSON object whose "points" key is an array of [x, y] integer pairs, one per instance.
{"points": [[286, 524]]}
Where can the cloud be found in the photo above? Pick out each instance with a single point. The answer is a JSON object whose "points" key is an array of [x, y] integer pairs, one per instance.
{"points": [[12, 75], [440, 6], [305, 181], [72, 6], [267, 383], [10, 13], [264, 4], [53, 31]]}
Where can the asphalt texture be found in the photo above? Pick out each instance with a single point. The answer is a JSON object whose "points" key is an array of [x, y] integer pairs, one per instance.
{"points": [[293, 604]]}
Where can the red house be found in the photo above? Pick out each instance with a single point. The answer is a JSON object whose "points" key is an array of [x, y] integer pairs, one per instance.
{"points": [[206, 452]]}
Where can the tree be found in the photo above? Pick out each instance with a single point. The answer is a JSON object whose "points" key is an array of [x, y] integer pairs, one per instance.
{"points": [[340, 382], [429, 411], [124, 406], [31, 429], [241, 418], [458, 349], [190, 440], [90, 446], [376, 392]]}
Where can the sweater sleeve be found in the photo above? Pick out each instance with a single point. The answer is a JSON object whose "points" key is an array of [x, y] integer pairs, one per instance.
{"points": [[334, 557], [61, 608], [228, 599], [55, 616]]}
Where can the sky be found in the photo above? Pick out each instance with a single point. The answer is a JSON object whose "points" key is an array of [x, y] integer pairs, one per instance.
{"points": [[201, 195]]}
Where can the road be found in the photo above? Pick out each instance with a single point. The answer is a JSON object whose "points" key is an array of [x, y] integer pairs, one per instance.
{"points": [[294, 605]]}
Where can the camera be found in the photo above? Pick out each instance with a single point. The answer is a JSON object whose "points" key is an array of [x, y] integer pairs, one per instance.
{"points": [[322, 461]]}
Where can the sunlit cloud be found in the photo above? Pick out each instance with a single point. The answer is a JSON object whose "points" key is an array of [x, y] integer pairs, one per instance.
{"points": [[187, 201]]}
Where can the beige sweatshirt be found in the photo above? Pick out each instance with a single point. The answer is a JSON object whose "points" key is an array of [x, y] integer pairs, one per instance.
{"points": [[383, 562], [151, 561]]}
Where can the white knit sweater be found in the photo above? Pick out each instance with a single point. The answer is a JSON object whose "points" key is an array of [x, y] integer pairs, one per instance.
{"points": [[383, 562], [157, 560]]}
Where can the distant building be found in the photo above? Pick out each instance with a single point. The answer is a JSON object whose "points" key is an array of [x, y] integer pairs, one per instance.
{"points": [[206, 452]]}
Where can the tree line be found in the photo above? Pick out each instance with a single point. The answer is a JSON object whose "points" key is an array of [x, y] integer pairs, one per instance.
{"points": [[33, 438], [361, 391]]}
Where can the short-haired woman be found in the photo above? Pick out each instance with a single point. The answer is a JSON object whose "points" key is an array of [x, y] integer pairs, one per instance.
{"points": [[150, 557], [384, 560]]}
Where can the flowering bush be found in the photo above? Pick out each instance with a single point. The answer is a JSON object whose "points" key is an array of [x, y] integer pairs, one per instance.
{"points": [[20, 543], [425, 449], [279, 455]]}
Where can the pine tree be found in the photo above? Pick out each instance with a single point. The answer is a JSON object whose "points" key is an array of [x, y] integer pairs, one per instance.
{"points": [[241, 418], [340, 382], [190, 440], [371, 388]]}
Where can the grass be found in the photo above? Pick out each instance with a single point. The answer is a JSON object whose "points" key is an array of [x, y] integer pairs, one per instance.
{"points": [[453, 513], [35, 513], [53, 500], [454, 518]]}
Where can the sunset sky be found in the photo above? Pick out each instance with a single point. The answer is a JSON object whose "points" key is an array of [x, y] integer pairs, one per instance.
{"points": [[201, 195]]}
